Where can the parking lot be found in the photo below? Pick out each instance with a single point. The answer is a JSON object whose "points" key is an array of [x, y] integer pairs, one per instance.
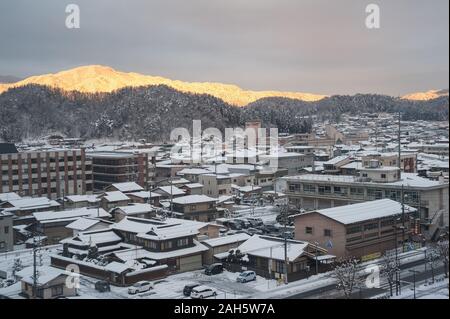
{"points": [[172, 287]]}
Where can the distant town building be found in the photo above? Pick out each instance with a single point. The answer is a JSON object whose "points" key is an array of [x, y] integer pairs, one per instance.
{"points": [[119, 167], [46, 173]]}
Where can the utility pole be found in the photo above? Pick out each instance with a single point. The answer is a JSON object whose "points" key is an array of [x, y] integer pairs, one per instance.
{"points": [[286, 261], [34, 269], [399, 146], [403, 219], [317, 261], [396, 258]]}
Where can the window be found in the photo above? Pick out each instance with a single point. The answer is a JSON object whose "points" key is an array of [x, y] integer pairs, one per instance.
{"points": [[308, 188], [327, 232], [349, 240], [280, 267], [353, 229], [357, 192], [323, 189], [182, 242], [6, 229], [57, 291], [308, 230], [383, 175], [150, 244], [386, 223], [370, 226]]}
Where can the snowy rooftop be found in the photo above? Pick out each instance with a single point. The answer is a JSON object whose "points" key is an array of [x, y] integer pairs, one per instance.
{"points": [[193, 199], [46, 274], [360, 212], [225, 240], [82, 198], [115, 196], [193, 171], [93, 237], [128, 187], [171, 190], [194, 185], [144, 194], [32, 203], [135, 208], [271, 247], [159, 230], [336, 160], [70, 214], [6, 197], [83, 223], [407, 179]]}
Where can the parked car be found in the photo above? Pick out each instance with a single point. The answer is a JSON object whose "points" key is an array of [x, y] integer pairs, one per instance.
{"points": [[188, 289], [234, 225], [140, 286], [287, 235], [246, 276], [214, 269], [255, 222], [243, 224], [271, 229], [201, 292], [253, 231], [102, 286]]}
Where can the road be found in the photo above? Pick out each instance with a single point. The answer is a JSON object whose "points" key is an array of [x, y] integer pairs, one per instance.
{"points": [[406, 277]]}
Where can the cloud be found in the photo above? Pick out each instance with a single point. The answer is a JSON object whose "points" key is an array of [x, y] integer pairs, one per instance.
{"points": [[312, 45]]}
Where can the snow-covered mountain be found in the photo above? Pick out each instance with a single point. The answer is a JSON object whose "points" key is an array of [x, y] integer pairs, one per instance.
{"points": [[425, 96], [97, 78]]}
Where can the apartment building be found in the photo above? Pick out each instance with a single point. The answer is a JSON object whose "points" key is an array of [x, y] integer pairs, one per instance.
{"points": [[312, 192], [408, 161], [215, 185], [196, 207], [119, 167], [291, 161], [359, 230], [52, 173]]}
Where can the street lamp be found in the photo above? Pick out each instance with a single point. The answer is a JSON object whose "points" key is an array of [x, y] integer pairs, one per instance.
{"points": [[317, 261]]}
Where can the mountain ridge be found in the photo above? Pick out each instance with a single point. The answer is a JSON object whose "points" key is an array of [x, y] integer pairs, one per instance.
{"points": [[98, 78]]}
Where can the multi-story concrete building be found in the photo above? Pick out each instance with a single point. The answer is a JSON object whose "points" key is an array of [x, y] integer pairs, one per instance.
{"points": [[312, 192], [408, 161], [357, 230], [119, 167], [291, 161], [51, 173], [215, 185]]}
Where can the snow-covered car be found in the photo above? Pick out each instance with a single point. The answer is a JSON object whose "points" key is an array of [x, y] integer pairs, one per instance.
{"points": [[140, 286], [246, 276], [201, 292]]}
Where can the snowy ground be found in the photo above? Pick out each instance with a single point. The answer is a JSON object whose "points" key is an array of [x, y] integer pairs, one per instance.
{"points": [[172, 287], [425, 290], [26, 257], [267, 213]]}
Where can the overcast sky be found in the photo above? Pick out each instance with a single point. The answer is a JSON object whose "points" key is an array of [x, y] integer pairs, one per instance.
{"points": [[313, 46]]}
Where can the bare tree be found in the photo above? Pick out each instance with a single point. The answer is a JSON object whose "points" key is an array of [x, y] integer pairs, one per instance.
{"points": [[346, 274], [389, 268], [433, 260], [442, 252]]}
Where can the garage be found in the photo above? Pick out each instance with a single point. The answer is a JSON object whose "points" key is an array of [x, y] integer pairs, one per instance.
{"points": [[190, 263]]}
